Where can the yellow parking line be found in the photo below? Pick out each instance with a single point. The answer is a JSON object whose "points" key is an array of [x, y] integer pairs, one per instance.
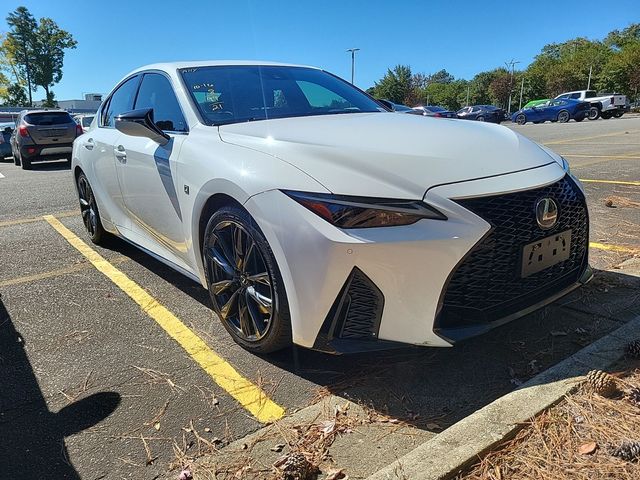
{"points": [[612, 157], [53, 273], [249, 395], [613, 182], [20, 221], [604, 135], [613, 248]]}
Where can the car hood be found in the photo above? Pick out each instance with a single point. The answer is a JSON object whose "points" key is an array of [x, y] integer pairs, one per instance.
{"points": [[388, 155]]}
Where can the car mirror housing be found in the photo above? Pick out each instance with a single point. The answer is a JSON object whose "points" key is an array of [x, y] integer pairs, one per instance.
{"points": [[139, 123]]}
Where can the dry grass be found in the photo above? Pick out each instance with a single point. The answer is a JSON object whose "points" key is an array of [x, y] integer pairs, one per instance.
{"points": [[548, 448]]}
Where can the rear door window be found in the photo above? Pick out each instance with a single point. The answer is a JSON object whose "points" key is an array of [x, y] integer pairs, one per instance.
{"points": [[48, 118]]}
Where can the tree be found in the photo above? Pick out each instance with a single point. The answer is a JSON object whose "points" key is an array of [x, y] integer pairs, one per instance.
{"points": [[396, 85], [37, 49], [500, 89], [16, 96]]}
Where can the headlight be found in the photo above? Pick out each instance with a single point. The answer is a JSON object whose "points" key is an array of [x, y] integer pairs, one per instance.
{"points": [[364, 212], [565, 165]]}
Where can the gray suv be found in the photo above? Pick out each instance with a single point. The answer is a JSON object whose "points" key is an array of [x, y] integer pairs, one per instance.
{"points": [[43, 135]]}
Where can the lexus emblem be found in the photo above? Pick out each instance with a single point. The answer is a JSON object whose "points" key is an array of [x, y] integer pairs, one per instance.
{"points": [[546, 213]]}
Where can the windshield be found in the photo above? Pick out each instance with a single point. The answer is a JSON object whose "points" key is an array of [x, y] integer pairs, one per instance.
{"points": [[232, 94], [401, 108]]}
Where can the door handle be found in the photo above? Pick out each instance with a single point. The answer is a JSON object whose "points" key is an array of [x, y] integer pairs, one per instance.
{"points": [[89, 144], [121, 153]]}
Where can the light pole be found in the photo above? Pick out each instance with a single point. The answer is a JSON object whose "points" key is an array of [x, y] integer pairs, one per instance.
{"points": [[353, 61], [521, 92], [512, 63], [589, 82]]}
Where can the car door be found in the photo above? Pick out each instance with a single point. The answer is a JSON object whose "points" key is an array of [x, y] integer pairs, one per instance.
{"points": [[148, 173], [97, 149]]}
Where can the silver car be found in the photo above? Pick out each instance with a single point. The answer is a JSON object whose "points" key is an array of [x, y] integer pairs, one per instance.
{"points": [[43, 135]]}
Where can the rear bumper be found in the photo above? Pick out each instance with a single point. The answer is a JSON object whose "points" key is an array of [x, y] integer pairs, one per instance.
{"points": [[54, 150]]}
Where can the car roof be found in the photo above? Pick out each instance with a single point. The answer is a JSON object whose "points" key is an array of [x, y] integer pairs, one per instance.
{"points": [[44, 110], [169, 66]]}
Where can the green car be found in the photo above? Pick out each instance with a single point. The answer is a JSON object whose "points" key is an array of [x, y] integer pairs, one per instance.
{"points": [[535, 103]]}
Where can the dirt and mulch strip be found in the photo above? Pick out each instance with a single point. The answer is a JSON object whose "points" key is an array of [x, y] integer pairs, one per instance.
{"points": [[308, 446], [593, 433]]}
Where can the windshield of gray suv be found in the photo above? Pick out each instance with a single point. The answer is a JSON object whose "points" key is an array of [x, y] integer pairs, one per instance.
{"points": [[232, 94]]}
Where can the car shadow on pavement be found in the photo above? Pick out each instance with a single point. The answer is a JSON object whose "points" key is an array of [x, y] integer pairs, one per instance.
{"points": [[32, 437], [433, 388]]}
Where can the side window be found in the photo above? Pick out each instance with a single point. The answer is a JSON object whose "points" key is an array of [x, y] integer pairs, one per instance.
{"points": [[156, 92], [575, 95], [563, 96], [121, 101]]}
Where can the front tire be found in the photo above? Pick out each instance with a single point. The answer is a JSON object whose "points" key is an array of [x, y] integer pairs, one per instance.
{"points": [[89, 211], [480, 118], [563, 116], [521, 119], [244, 282]]}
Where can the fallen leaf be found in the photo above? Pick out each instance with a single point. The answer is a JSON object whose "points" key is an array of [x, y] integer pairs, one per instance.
{"points": [[328, 426], [156, 425], [433, 426], [207, 429], [336, 475], [185, 475], [278, 447], [587, 448], [244, 446]]}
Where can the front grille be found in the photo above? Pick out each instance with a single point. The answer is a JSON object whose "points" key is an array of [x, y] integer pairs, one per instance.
{"points": [[487, 285]]}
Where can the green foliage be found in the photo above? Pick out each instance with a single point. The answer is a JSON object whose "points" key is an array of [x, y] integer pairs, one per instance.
{"points": [[15, 96], [396, 85], [559, 67], [37, 48]]}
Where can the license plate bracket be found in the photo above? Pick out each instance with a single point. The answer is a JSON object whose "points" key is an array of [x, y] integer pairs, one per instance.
{"points": [[546, 252]]}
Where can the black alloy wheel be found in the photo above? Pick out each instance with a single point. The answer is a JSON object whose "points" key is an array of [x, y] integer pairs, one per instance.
{"points": [[563, 116], [480, 118], [521, 119], [244, 282], [89, 210]]}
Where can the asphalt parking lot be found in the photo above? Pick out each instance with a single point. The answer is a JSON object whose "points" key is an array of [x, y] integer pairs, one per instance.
{"points": [[101, 382]]}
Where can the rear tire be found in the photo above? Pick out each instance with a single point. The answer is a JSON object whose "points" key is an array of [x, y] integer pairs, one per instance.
{"points": [[244, 282], [26, 163], [521, 119], [579, 119], [618, 114], [16, 159], [594, 113], [89, 211], [563, 116], [606, 115]]}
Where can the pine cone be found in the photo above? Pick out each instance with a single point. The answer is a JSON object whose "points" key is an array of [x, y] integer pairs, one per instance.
{"points": [[633, 396], [602, 383], [297, 467], [628, 451], [633, 349]]}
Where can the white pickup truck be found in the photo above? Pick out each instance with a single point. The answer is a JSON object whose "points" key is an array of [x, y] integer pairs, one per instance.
{"points": [[603, 105]]}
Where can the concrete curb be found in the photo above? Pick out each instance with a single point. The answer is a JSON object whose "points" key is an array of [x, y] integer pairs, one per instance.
{"points": [[461, 444]]}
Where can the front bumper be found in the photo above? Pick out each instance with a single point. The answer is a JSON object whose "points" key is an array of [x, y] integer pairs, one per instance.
{"points": [[389, 280]]}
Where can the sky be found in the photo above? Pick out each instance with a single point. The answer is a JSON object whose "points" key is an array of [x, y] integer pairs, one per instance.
{"points": [[464, 37]]}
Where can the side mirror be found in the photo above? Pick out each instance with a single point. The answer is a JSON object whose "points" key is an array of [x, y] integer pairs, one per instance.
{"points": [[139, 123]]}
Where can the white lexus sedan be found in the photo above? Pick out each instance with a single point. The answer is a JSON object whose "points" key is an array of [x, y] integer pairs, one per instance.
{"points": [[315, 216]]}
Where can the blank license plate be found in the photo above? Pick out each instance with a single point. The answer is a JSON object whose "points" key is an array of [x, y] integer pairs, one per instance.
{"points": [[544, 253]]}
